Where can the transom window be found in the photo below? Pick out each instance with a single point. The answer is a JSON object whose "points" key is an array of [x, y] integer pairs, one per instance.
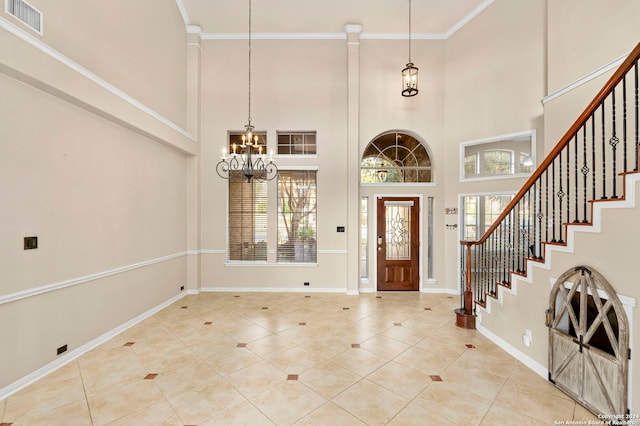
{"points": [[498, 157], [297, 143], [395, 158]]}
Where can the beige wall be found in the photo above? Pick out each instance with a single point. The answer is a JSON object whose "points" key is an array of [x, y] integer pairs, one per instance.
{"points": [[297, 85], [604, 252], [99, 180], [138, 47], [495, 79], [582, 36]]}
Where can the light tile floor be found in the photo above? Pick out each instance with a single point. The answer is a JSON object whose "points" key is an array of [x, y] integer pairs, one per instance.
{"points": [[293, 358]]}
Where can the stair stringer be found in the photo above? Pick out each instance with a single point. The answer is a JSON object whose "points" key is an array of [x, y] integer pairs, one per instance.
{"points": [[518, 350]]}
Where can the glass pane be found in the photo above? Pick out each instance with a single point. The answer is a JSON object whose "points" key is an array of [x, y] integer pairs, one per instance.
{"points": [[498, 162], [297, 216], [398, 235], [364, 246]]}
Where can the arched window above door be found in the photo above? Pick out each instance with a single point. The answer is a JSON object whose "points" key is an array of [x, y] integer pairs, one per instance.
{"points": [[395, 158]]}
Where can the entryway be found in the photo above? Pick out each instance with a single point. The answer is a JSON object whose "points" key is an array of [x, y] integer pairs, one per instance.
{"points": [[398, 243], [588, 341]]}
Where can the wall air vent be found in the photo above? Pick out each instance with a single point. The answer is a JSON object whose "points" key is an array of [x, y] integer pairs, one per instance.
{"points": [[25, 13]]}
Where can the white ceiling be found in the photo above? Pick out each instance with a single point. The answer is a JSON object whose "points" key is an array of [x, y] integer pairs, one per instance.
{"points": [[429, 17]]}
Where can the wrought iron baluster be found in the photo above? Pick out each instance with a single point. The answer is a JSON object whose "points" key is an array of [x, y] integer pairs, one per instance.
{"points": [[624, 123], [585, 171], [604, 158], [540, 217], [553, 201], [576, 181], [613, 142], [546, 204], [593, 156], [503, 251], [534, 218], [560, 195], [528, 251], [637, 116]]}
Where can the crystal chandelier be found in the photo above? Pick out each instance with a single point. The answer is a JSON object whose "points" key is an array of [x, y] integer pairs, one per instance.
{"points": [[410, 72], [249, 158]]}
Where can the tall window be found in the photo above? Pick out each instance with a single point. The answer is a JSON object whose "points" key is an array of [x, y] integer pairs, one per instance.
{"points": [[247, 210], [480, 211], [297, 207], [247, 219], [364, 237]]}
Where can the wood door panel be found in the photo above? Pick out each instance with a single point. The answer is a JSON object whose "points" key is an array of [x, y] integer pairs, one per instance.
{"points": [[592, 369], [398, 269]]}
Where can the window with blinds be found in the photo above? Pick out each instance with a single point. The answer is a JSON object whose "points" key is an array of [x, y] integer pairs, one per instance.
{"points": [[247, 219], [297, 216]]}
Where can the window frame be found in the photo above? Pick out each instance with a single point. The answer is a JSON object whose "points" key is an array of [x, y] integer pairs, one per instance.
{"points": [[314, 249], [481, 224], [291, 133], [471, 147]]}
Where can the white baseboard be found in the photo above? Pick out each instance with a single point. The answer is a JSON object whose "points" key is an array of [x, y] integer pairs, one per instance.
{"points": [[271, 290], [71, 355], [514, 352]]}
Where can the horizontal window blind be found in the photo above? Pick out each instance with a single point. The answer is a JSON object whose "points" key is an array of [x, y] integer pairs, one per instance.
{"points": [[247, 219]]}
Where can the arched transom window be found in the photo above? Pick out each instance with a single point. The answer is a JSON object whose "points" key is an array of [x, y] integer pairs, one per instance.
{"points": [[395, 157]]}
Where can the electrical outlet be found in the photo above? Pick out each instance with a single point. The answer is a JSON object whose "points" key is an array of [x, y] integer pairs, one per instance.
{"points": [[61, 349], [306, 283], [30, 243], [181, 288]]}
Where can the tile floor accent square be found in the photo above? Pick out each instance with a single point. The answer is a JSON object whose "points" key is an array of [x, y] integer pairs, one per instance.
{"points": [[427, 309], [126, 344], [355, 345], [150, 376], [208, 323], [183, 307], [470, 346], [436, 378], [397, 324], [236, 296], [292, 377], [345, 309], [6, 424], [302, 323], [241, 345], [378, 297], [307, 297], [265, 307]]}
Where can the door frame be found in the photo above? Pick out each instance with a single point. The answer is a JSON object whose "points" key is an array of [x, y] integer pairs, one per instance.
{"points": [[373, 246], [621, 306]]}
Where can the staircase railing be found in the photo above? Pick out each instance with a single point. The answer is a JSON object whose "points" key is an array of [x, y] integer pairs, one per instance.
{"points": [[587, 164]]}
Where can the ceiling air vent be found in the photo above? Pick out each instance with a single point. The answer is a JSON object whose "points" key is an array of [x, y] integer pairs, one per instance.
{"points": [[25, 13]]}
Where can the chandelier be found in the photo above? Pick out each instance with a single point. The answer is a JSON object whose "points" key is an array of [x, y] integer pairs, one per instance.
{"points": [[410, 72], [249, 158]]}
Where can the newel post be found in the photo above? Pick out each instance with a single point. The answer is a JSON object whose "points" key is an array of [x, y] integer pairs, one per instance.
{"points": [[464, 315]]}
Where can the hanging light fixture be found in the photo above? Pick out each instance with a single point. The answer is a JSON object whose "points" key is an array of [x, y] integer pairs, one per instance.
{"points": [[410, 72], [249, 158]]}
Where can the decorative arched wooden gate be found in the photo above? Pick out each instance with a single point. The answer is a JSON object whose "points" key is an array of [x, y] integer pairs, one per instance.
{"points": [[588, 341]]}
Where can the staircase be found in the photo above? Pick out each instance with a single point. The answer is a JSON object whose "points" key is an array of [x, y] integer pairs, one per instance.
{"points": [[593, 167]]}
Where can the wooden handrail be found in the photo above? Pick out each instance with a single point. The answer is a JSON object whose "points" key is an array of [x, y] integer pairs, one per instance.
{"points": [[589, 110]]}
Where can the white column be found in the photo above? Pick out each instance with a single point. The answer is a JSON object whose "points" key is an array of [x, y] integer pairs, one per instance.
{"points": [[353, 157], [193, 162]]}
